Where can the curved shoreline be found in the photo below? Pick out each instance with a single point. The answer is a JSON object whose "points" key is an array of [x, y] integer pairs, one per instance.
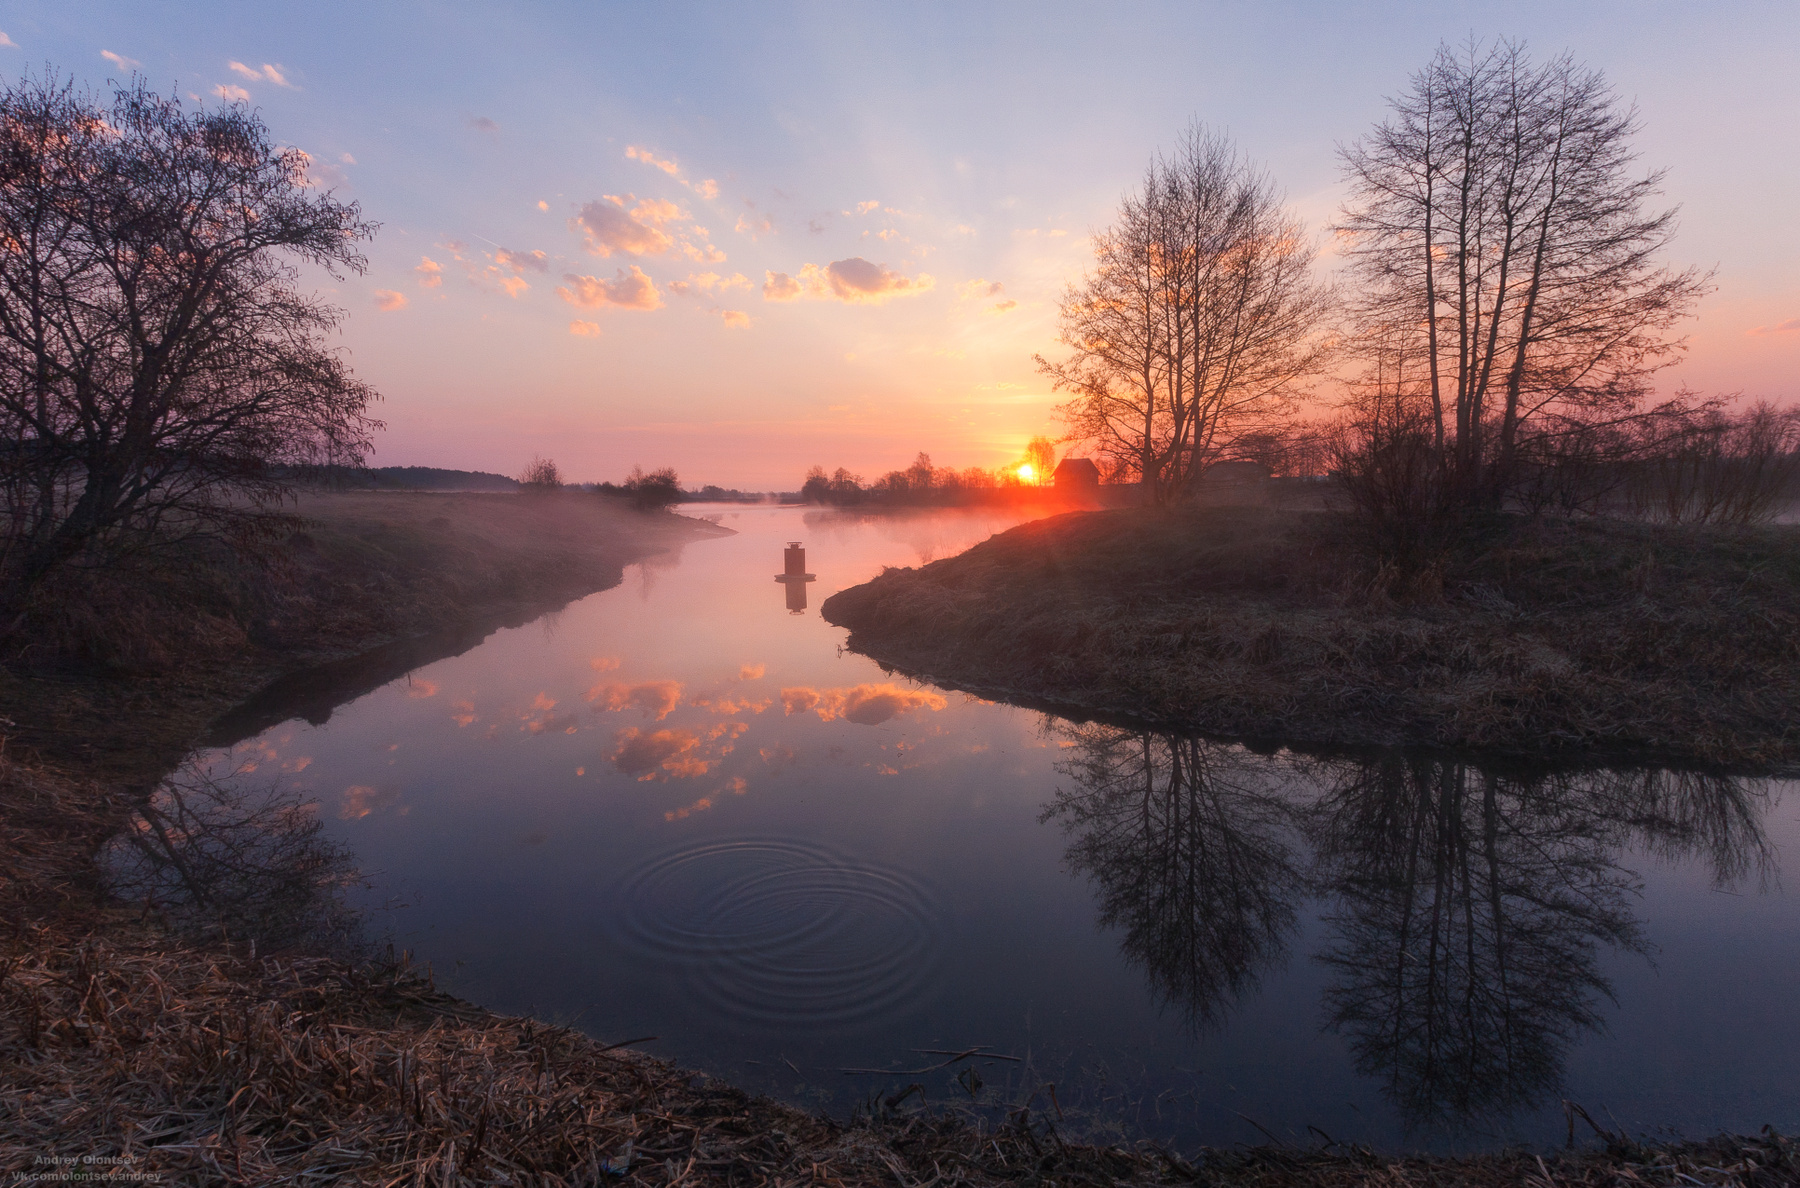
{"points": [[1558, 642]]}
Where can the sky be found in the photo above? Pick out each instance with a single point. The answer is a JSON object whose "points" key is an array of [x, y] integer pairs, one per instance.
{"points": [[744, 239]]}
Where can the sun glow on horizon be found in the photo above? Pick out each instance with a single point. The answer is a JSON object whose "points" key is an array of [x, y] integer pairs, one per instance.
{"points": [[1027, 472]]}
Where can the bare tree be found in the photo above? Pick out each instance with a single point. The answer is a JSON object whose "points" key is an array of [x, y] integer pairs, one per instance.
{"points": [[1198, 323], [1507, 258], [159, 370]]}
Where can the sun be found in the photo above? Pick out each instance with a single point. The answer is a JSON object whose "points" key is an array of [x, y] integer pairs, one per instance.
{"points": [[1027, 472]]}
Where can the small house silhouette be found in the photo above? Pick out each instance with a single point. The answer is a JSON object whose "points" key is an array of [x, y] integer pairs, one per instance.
{"points": [[1077, 472]]}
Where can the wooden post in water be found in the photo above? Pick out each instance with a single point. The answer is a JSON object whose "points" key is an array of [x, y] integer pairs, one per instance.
{"points": [[795, 577]]}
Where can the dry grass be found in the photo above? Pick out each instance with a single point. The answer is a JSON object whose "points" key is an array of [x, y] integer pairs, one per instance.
{"points": [[223, 1066], [1593, 637]]}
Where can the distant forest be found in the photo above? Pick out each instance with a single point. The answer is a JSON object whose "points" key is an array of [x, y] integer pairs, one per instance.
{"points": [[403, 478]]}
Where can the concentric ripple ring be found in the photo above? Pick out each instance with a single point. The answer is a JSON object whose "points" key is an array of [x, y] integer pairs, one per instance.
{"points": [[776, 931]]}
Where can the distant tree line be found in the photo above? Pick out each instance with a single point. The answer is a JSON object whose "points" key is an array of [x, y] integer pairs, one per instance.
{"points": [[923, 483]]}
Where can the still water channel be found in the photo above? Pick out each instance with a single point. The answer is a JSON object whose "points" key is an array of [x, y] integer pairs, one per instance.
{"points": [[680, 809]]}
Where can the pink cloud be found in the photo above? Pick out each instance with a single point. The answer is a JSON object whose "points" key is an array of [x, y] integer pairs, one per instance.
{"points": [[658, 698], [854, 281], [736, 319], [124, 63], [389, 300], [866, 705], [522, 262], [1791, 326], [431, 273], [627, 290], [231, 94], [608, 227], [647, 157], [581, 329]]}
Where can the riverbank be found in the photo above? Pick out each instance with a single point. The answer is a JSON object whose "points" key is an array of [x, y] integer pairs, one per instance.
{"points": [[1546, 639], [124, 672]]}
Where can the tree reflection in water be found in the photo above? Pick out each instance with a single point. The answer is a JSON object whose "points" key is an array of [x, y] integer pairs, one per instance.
{"points": [[1466, 907], [1192, 853], [226, 858]]}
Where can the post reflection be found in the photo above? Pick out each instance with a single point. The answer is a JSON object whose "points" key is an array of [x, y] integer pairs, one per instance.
{"points": [[1190, 852], [1466, 908], [794, 577]]}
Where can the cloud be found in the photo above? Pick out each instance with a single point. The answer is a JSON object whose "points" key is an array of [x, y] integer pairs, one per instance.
{"points": [[268, 73], [755, 225], [431, 273], [604, 663], [779, 286], [709, 282], [1000, 307], [418, 690], [752, 672], [462, 712], [652, 227], [854, 281], [360, 800], [231, 94], [7, 42], [1791, 326], [608, 227], [708, 189], [737, 319], [346, 158], [647, 157], [660, 754], [866, 207], [720, 703], [581, 329], [866, 705], [627, 290], [520, 262], [389, 300], [978, 288], [483, 124], [657, 698], [122, 62]]}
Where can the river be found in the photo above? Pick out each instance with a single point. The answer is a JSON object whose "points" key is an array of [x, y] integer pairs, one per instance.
{"points": [[680, 809]]}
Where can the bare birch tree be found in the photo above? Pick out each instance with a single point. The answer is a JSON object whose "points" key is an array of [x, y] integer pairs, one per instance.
{"points": [[1507, 256], [1197, 325]]}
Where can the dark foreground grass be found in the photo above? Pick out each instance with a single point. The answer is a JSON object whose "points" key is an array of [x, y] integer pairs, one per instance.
{"points": [[1534, 638], [119, 1042], [120, 671]]}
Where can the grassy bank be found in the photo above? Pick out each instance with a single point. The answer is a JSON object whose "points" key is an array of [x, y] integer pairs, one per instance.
{"points": [[122, 671], [1546, 638]]}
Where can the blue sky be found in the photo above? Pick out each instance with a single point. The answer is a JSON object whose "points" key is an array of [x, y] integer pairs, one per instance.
{"points": [[655, 153]]}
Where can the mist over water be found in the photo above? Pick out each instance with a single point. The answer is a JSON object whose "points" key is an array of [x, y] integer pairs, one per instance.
{"points": [[679, 809]]}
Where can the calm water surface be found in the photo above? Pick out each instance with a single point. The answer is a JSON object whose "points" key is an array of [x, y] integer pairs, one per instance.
{"points": [[679, 809]]}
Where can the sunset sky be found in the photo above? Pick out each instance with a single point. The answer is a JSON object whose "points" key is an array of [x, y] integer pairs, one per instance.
{"points": [[742, 239]]}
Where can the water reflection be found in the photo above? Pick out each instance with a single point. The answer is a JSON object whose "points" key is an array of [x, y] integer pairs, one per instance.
{"points": [[1466, 909], [1189, 847], [222, 856]]}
